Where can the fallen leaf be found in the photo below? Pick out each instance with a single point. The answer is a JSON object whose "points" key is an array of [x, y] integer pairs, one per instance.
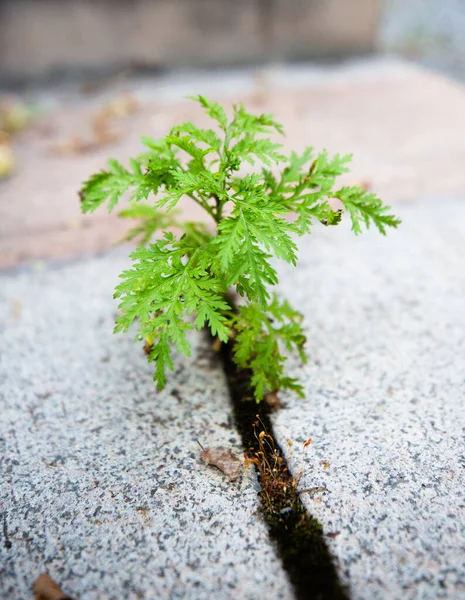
{"points": [[14, 115], [272, 400], [148, 347], [333, 534], [103, 134], [325, 464], [307, 442], [224, 460], [216, 344], [73, 145], [7, 161], [103, 131], [119, 107], [5, 138], [46, 589]]}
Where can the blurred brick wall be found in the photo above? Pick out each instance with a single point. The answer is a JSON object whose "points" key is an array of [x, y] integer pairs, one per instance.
{"points": [[40, 37]]}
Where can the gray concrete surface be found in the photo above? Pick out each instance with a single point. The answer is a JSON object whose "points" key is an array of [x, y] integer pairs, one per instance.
{"points": [[101, 480], [385, 401]]}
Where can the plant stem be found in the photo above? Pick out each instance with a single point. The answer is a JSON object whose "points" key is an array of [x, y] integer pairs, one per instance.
{"points": [[204, 205]]}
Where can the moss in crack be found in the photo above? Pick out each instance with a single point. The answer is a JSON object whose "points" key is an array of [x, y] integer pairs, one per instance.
{"points": [[299, 537]]}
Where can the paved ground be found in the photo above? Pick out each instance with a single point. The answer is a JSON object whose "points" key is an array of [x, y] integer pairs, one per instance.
{"points": [[404, 126], [101, 482], [385, 401]]}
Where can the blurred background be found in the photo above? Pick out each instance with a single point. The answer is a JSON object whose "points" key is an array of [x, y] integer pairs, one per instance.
{"points": [[53, 40], [82, 80]]}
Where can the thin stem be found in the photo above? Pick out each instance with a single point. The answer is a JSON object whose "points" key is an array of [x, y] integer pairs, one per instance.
{"points": [[204, 205]]}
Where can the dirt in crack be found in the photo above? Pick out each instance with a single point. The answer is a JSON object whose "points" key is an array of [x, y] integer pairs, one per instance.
{"points": [[299, 537]]}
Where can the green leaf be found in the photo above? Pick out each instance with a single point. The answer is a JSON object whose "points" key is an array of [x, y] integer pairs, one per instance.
{"points": [[184, 281], [249, 149], [213, 110], [366, 208], [262, 334], [247, 123], [169, 280], [204, 136], [105, 186]]}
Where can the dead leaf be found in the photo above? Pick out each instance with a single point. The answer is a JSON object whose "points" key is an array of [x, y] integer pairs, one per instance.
{"points": [[272, 400], [224, 460], [14, 115], [148, 347], [325, 464], [5, 138], [307, 442], [119, 107], [7, 161], [104, 133], [333, 534], [46, 589], [73, 145], [216, 344]]}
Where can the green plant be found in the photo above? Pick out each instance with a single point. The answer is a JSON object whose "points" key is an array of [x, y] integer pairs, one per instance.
{"points": [[254, 217]]}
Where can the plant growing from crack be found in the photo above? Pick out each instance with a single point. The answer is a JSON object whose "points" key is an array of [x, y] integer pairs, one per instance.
{"points": [[180, 282]]}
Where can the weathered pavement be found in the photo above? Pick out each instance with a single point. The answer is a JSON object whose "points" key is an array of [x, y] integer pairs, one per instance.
{"points": [[101, 479], [385, 401], [101, 482]]}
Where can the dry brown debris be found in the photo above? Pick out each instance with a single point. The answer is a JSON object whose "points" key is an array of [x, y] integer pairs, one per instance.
{"points": [[45, 588], [223, 459], [272, 400], [102, 125]]}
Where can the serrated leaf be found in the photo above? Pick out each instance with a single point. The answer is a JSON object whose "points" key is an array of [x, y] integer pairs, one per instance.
{"points": [[105, 186], [366, 208], [213, 110], [178, 283]]}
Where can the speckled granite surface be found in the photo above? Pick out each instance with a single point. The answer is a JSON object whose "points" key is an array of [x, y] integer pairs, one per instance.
{"points": [[101, 479], [385, 403]]}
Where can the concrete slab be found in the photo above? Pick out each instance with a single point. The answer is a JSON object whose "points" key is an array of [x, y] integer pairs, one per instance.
{"points": [[102, 484], [385, 401], [404, 126]]}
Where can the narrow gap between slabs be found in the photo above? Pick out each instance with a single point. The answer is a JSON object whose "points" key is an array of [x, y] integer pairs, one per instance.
{"points": [[298, 536]]}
